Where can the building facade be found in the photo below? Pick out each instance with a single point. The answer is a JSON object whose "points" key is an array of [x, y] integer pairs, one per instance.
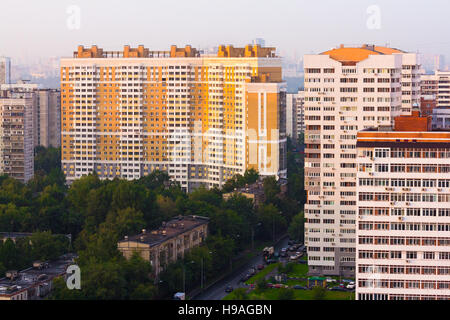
{"points": [[427, 104], [300, 112], [47, 118], [346, 90], [403, 234], [167, 244], [201, 118], [438, 85], [5, 70], [16, 135], [291, 115], [46, 112]]}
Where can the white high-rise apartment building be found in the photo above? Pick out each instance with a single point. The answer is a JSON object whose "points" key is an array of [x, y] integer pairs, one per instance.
{"points": [[346, 90], [5, 70], [291, 115], [410, 82], [201, 118], [46, 112], [437, 84], [403, 234], [16, 135], [300, 111]]}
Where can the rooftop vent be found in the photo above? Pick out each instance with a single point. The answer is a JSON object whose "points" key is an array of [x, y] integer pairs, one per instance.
{"points": [[12, 274]]}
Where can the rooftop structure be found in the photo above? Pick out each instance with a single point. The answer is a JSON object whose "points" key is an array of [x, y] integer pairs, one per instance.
{"points": [[169, 230], [13, 235], [167, 244], [36, 282]]}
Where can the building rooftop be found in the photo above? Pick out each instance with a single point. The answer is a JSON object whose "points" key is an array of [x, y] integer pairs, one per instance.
{"points": [[168, 230], [35, 276], [351, 55], [249, 51], [14, 235]]}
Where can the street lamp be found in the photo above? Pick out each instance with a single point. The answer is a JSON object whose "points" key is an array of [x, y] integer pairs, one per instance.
{"points": [[253, 234], [184, 277], [231, 258], [202, 273]]}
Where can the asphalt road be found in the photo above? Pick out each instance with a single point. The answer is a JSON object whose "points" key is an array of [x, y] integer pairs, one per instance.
{"points": [[217, 291]]}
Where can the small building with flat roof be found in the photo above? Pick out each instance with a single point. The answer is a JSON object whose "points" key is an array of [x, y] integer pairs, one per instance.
{"points": [[168, 243]]}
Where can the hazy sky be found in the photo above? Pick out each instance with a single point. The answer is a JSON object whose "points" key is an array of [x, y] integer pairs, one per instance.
{"points": [[30, 28]]}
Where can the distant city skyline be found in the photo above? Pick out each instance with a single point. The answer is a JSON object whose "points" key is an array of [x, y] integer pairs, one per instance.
{"points": [[31, 30]]}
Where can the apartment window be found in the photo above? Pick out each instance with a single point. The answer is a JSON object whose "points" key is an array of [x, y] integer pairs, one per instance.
{"points": [[428, 255]]}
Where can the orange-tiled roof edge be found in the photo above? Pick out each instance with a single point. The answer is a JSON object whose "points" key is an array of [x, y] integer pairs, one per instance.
{"points": [[357, 54]]}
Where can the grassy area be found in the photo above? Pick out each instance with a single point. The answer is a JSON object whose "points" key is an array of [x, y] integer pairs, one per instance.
{"points": [[298, 271], [273, 294], [263, 273]]}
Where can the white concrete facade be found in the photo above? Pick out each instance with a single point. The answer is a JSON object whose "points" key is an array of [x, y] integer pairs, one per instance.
{"points": [[341, 99], [403, 233]]}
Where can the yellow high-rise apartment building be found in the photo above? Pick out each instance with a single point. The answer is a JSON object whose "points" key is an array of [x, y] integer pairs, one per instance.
{"points": [[202, 118]]}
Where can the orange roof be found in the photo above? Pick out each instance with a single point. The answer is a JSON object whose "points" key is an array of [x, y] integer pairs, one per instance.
{"points": [[343, 54], [350, 54], [386, 50]]}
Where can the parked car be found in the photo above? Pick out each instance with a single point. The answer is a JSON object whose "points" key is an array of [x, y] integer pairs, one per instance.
{"points": [[283, 254], [337, 289], [260, 267], [351, 285], [330, 280], [245, 278], [229, 289], [252, 271], [300, 287], [179, 296], [283, 249], [270, 261]]}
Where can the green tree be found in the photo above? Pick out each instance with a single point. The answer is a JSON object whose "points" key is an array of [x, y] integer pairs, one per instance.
{"points": [[2, 270], [46, 159], [271, 190], [319, 293], [273, 222], [296, 229], [45, 246], [240, 294], [261, 284], [286, 294]]}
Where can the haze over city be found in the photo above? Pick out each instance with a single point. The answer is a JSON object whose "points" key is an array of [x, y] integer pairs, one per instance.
{"points": [[28, 29]]}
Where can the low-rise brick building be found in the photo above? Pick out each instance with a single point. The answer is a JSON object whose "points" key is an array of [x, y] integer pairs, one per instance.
{"points": [[167, 244]]}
